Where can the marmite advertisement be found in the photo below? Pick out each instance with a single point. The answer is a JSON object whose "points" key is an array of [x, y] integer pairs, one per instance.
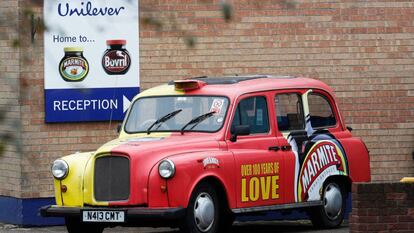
{"points": [[318, 155], [91, 59]]}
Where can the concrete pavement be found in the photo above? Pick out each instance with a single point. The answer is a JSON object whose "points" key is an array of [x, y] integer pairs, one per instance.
{"points": [[302, 226]]}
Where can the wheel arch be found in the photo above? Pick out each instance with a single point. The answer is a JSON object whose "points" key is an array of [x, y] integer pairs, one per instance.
{"points": [[218, 185], [344, 181]]}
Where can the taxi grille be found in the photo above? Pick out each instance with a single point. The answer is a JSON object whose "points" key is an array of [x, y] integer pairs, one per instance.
{"points": [[111, 178]]}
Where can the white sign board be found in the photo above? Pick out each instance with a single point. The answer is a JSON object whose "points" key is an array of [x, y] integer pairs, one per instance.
{"points": [[91, 59]]}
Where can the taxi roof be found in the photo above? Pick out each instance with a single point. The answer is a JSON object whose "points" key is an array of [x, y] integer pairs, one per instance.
{"points": [[233, 86]]}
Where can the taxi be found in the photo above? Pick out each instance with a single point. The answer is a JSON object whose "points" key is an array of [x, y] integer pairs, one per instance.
{"points": [[196, 153]]}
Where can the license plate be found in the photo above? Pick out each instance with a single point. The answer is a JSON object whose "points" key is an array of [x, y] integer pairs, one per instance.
{"points": [[103, 216]]}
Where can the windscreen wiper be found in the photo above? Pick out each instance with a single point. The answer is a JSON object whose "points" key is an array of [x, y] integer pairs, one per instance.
{"points": [[163, 119], [197, 120]]}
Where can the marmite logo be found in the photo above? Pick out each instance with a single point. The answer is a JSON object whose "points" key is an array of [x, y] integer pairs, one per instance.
{"points": [[74, 69], [116, 62], [323, 160]]}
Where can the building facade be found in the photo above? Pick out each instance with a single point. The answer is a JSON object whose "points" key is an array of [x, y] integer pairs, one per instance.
{"points": [[363, 49]]}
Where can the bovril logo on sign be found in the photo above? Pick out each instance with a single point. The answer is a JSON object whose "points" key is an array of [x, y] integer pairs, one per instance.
{"points": [[116, 59], [324, 159]]}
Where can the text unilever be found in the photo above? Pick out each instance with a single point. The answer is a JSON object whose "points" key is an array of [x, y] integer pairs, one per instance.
{"points": [[87, 9]]}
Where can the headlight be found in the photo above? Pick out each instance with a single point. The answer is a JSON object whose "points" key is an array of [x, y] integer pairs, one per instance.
{"points": [[60, 169], [166, 169]]}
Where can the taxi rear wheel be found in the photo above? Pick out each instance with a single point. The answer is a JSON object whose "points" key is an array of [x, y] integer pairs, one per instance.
{"points": [[74, 225], [331, 213], [203, 211]]}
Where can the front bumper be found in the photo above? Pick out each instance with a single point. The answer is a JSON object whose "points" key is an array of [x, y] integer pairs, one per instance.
{"points": [[132, 213]]}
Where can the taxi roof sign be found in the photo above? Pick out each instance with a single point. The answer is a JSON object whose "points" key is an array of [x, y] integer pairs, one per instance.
{"points": [[188, 84]]}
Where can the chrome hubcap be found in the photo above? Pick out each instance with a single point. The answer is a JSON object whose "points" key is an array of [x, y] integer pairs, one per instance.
{"points": [[332, 201], [204, 212]]}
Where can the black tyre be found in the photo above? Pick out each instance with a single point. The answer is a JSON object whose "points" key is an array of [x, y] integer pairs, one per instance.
{"points": [[331, 213], [203, 213], [74, 225], [226, 218]]}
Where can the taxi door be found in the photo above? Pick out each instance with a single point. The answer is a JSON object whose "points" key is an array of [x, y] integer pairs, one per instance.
{"points": [[290, 130], [305, 123], [259, 162]]}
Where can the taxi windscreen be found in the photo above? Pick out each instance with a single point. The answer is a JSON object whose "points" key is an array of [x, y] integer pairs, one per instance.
{"points": [[177, 113]]}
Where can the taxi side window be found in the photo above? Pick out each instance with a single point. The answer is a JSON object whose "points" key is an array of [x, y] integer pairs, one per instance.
{"points": [[289, 112], [253, 112], [320, 111]]}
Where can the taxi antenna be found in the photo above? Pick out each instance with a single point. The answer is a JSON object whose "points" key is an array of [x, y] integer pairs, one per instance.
{"points": [[112, 110]]}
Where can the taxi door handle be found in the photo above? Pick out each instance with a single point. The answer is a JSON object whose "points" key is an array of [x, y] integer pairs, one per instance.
{"points": [[274, 148], [286, 147]]}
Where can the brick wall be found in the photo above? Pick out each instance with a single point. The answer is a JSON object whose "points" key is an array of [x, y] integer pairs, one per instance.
{"points": [[385, 207], [10, 171], [363, 49]]}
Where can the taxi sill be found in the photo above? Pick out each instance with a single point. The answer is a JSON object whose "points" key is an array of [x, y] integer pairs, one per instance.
{"points": [[133, 212]]}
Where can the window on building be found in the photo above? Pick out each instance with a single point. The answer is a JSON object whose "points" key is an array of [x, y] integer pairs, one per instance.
{"points": [[320, 111], [289, 112], [253, 112]]}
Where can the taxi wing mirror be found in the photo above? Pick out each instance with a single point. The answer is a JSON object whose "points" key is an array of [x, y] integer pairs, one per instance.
{"points": [[239, 130]]}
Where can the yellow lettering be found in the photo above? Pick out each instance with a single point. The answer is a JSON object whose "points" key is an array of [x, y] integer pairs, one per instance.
{"points": [[244, 197], [246, 170], [275, 187], [254, 189], [276, 167], [267, 168], [256, 169], [263, 168], [265, 186]]}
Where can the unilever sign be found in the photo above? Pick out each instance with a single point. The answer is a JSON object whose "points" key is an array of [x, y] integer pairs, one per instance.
{"points": [[91, 59], [87, 10]]}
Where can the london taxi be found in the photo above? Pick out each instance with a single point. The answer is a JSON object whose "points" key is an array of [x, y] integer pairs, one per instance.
{"points": [[195, 153]]}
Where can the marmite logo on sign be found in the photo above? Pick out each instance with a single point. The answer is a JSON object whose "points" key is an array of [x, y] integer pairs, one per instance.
{"points": [[323, 160], [259, 181], [73, 67]]}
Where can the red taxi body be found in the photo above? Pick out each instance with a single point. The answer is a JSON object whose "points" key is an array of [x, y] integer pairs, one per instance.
{"points": [[198, 152]]}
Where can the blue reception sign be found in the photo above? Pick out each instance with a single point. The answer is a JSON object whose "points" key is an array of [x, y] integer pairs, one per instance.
{"points": [[91, 59], [99, 104]]}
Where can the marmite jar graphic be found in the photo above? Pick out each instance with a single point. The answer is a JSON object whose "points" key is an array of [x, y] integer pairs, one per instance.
{"points": [[116, 59], [73, 67]]}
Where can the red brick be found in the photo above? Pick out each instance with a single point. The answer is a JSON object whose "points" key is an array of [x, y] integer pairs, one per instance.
{"points": [[355, 227], [404, 218], [388, 219], [396, 196], [377, 227], [399, 226], [368, 219]]}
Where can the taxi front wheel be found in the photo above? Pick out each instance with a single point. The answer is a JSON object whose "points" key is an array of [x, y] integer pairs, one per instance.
{"points": [[331, 213], [74, 225], [203, 213]]}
